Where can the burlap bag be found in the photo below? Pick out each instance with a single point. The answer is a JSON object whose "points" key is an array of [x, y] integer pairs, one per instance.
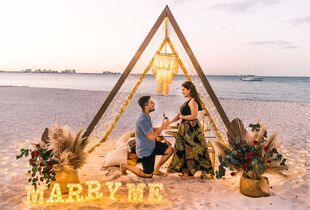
{"points": [[254, 188], [64, 178]]}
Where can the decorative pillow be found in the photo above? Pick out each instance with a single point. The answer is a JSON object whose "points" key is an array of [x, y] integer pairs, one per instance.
{"points": [[132, 145], [116, 157], [122, 141], [130, 139]]}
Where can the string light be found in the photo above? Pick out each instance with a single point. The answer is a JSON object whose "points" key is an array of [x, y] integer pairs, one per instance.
{"points": [[113, 187], [135, 193], [124, 105], [207, 110]]}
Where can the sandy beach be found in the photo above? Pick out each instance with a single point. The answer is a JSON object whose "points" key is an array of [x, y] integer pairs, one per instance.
{"points": [[25, 112]]}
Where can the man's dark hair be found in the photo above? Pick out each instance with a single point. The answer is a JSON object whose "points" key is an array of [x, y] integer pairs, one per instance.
{"points": [[143, 100]]}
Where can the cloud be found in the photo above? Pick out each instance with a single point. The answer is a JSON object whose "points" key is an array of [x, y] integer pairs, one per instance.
{"points": [[181, 2], [301, 20], [277, 44], [243, 6]]}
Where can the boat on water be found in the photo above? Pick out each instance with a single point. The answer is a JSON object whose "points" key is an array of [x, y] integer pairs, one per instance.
{"points": [[252, 78]]}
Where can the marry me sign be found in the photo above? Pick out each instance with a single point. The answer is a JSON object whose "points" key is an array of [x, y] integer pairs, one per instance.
{"points": [[135, 193]]}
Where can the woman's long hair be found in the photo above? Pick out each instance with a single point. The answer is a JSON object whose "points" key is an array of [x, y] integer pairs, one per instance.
{"points": [[193, 92]]}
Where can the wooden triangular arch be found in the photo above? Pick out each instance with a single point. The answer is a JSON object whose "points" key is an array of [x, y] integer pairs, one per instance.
{"points": [[165, 14]]}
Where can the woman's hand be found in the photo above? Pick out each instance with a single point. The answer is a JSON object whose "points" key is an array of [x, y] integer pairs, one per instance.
{"points": [[176, 118]]}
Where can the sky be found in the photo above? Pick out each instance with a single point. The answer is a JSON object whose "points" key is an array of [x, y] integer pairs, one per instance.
{"points": [[228, 37]]}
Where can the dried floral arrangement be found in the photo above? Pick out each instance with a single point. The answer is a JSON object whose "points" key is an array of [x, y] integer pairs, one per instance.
{"points": [[58, 151], [252, 153]]}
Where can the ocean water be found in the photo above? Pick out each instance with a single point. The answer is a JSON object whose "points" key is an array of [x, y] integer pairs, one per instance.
{"points": [[292, 89]]}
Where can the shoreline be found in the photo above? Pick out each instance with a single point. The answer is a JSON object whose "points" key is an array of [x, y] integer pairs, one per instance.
{"points": [[105, 91]]}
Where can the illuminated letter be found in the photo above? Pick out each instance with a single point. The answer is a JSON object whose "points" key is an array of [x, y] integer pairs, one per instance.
{"points": [[34, 196], [154, 192], [56, 194], [75, 193], [113, 189], [135, 193], [92, 190]]}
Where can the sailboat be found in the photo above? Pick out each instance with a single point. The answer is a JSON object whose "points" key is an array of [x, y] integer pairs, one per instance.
{"points": [[253, 78]]}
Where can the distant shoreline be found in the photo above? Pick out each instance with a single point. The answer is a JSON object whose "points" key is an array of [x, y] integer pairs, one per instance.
{"points": [[152, 94], [118, 73]]}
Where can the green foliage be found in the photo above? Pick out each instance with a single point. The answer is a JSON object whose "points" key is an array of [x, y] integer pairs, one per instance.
{"points": [[252, 156], [23, 152], [41, 162], [255, 127]]}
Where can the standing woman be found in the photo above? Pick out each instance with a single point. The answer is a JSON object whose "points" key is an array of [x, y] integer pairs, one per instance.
{"points": [[191, 151]]}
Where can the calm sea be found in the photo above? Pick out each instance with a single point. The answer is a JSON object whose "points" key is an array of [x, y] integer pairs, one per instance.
{"points": [[293, 89]]}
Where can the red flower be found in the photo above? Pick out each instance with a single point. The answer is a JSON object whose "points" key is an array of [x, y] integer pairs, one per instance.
{"points": [[232, 173], [255, 142], [244, 166], [248, 155], [268, 161], [35, 153], [265, 148]]}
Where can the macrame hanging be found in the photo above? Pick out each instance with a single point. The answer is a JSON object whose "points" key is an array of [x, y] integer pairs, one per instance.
{"points": [[165, 67]]}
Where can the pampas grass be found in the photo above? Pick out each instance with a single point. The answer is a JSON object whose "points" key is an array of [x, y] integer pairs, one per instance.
{"points": [[261, 133], [68, 149], [271, 142]]}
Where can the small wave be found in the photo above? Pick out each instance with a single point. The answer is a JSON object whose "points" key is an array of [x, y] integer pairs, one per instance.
{"points": [[14, 86]]}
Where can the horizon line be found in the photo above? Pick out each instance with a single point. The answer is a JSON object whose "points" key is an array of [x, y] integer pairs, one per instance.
{"points": [[109, 72]]}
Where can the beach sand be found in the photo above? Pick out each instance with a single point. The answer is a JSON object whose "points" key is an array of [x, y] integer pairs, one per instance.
{"points": [[25, 112]]}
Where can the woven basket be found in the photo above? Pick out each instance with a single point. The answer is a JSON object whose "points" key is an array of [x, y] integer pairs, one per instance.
{"points": [[254, 188]]}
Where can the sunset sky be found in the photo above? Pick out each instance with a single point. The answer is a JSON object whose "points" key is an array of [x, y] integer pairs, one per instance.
{"points": [[263, 37]]}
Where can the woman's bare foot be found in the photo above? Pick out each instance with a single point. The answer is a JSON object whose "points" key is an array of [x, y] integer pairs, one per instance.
{"points": [[160, 173], [180, 174], [123, 168]]}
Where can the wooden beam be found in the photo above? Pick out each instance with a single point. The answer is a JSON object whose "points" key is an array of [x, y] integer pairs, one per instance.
{"points": [[198, 68], [117, 117], [217, 133], [124, 75]]}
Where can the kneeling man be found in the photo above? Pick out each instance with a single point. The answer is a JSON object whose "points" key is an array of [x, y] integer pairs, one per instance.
{"points": [[146, 145]]}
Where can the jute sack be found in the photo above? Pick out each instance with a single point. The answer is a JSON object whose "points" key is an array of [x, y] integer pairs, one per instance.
{"points": [[65, 177], [254, 188]]}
